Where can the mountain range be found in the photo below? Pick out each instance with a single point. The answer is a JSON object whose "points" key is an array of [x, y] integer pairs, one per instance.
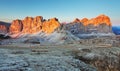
{"points": [[38, 28], [33, 25]]}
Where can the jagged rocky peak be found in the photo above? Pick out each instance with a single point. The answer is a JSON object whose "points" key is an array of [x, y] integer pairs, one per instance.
{"points": [[38, 19], [76, 20], [16, 26], [84, 21], [103, 19], [98, 20], [32, 25], [100, 24], [50, 25]]}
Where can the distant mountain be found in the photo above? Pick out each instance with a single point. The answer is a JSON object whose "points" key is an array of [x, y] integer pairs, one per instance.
{"points": [[31, 25], [4, 27], [116, 30], [5, 23]]}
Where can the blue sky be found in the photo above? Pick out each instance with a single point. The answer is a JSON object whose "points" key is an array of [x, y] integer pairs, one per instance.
{"points": [[64, 10]]}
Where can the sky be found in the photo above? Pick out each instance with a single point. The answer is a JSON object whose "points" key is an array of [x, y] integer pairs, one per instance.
{"points": [[64, 10]]}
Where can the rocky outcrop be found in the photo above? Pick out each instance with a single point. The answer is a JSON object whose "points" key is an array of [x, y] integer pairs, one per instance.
{"points": [[98, 20], [50, 25], [100, 24], [103, 58], [76, 20], [76, 28], [84, 20], [16, 26], [4, 27], [32, 25]]}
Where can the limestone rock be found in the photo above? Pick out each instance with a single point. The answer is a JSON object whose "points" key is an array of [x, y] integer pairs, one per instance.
{"points": [[37, 26], [99, 20], [16, 27], [75, 28], [84, 21], [50, 25], [27, 22], [100, 24], [32, 25], [76, 20]]}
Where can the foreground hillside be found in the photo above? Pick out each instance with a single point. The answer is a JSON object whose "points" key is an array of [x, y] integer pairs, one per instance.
{"points": [[72, 57]]}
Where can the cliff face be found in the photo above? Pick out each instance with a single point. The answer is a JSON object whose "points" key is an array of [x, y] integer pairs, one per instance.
{"points": [[98, 20], [16, 26], [30, 25], [100, 24], [33, 25], [50, 25], [76, 20]]}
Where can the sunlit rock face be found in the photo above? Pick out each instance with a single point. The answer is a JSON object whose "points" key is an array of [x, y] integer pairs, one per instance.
{"points": [[50, 25], [84, 21], [100, 24], [76, 20], [16, 27], [32, 25], [37, 26], [98, 20], [27, 22]]}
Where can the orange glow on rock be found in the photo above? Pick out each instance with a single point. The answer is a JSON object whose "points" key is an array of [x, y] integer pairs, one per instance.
{"points": [[50, 25], [32, 25]]}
